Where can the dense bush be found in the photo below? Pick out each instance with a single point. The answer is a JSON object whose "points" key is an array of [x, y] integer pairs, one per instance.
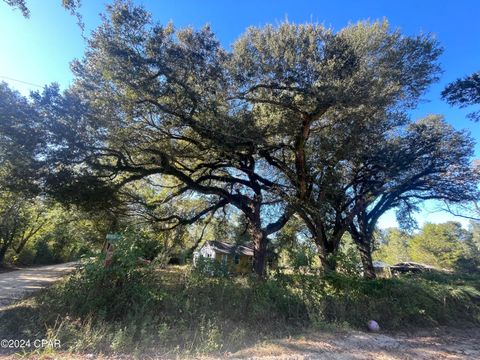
{"points": [[133, 308], [394, 303], [210, 267], [112, 292]]}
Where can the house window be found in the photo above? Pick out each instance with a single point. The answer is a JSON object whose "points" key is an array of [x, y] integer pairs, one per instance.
{"points": [[237, 259], [224, 259]]}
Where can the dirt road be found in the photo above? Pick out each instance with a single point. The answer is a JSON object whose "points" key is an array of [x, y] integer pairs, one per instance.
{"points": [[16, 284], [431, 344]]}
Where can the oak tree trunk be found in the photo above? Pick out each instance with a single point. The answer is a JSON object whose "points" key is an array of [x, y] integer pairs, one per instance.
{"points": [[327, 257], [327, 247], [364, 249], [259, 251]]}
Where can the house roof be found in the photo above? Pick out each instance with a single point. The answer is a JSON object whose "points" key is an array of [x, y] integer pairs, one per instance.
{"points": [[411, 265], [380, 264], [225, 248]]}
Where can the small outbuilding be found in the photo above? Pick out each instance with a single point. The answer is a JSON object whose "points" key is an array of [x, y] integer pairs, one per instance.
{"points": [[382, 269], [238, 258], [411, 267]]}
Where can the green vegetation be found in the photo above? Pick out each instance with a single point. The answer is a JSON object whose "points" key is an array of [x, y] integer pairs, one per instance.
{"points": [[166, 128], [445, 246], [131, 309], [464, 92], [393, 247], [297, 139], [34, 232]]}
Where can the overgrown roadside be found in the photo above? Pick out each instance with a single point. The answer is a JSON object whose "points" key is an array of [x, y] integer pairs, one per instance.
{"points": [[178, 312]]}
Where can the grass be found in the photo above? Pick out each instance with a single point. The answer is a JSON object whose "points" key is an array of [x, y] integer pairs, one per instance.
{"points": [[176, 311]]}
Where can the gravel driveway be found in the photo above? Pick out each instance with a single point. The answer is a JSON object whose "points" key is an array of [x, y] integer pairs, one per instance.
{"points": [[16, 284]]}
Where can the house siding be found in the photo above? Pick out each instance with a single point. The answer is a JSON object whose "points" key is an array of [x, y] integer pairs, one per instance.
{"points": [[206, 251], [244, 265]]}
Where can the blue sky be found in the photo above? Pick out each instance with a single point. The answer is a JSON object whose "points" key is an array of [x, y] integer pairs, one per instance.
{"points": [[38, 50]]}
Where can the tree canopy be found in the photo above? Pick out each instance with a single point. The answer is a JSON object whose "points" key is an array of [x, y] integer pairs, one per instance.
{"points": [[294, 120], [447, 246], [464, 92]]}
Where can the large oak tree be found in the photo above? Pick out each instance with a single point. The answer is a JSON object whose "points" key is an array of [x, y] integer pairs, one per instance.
{"points": [[327, 100], [295, 119], [151, 103]]}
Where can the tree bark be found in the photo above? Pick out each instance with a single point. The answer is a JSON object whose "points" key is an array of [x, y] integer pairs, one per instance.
{"points": [[259, 251], [327, 245], [27, 236], [326, 255], [362, 235], [363, 246]]}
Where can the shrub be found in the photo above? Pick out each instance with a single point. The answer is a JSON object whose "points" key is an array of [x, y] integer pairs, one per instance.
{"points": [[44, 253], [210, 267], [111, 292], [394, 303], [134, 309]]}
